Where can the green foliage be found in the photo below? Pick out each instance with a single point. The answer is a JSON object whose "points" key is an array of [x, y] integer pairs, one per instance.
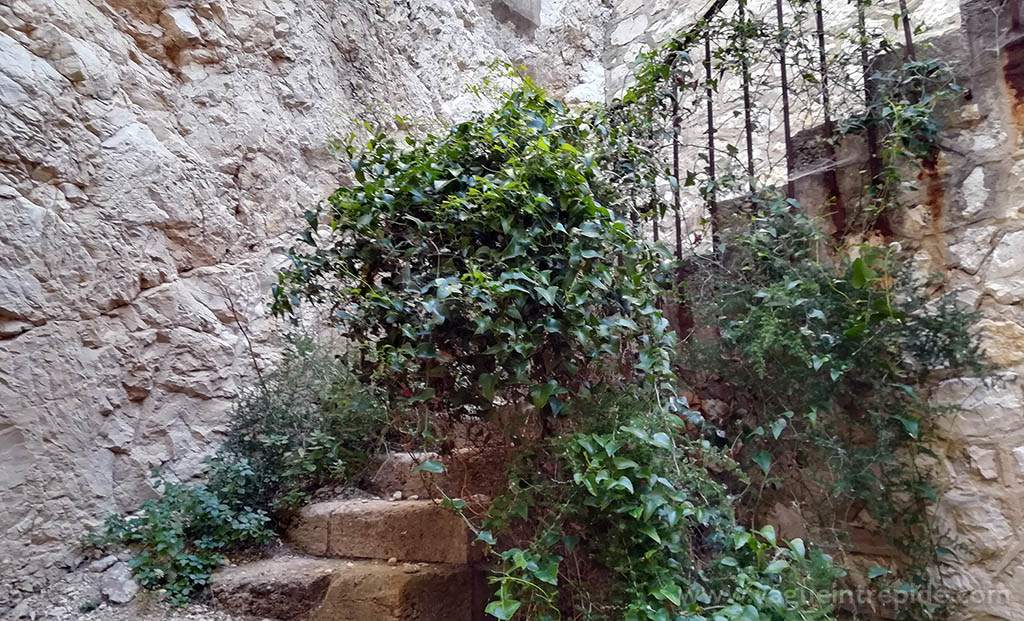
{"points": [[183, 535], [829, 361], [634, 526], [310, 423], [489, 264], [307, 424]]}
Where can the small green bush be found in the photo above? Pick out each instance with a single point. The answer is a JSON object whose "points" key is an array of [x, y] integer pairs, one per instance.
{"points": [[307, 424], [491, 263], [827, 360], [310, 423], [634, 525]]}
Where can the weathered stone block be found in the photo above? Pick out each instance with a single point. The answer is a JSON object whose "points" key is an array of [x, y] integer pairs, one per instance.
{"points": [[338, 590], [407, 530]]}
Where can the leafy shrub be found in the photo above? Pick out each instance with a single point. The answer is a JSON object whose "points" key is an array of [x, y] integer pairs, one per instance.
{"points": [[307, 424], [183, 535], [489, 264], [638, 508], [310, 423], [827, 361]]}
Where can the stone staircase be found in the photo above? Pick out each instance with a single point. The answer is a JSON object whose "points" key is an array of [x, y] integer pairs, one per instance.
{"points": [[400, 557]]}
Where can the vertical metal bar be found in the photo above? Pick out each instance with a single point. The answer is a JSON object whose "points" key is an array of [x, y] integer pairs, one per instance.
{"points": [[908, 36], [709, 93], [874, 161], [655, 200], [831, 177], [790, 190], [748, 123], [676, 198]]}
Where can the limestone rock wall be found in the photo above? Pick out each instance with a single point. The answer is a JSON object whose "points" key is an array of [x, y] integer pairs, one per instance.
{"points": [[970, 229], [154, 158]]}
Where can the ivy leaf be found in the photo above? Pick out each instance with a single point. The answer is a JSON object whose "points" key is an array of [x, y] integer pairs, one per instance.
{"points": [[548, 572], [487, 386], [768, 532], [764, 460], [542, 392], [798, 548], [662, 440], [911, 425], [650, 531], [776, 567], [547, 294], [672, 592], [503, 609], [486, 537], [430, 466], [909, 390], [862, 274], [777, 427], [875, 572], [740, 539]]}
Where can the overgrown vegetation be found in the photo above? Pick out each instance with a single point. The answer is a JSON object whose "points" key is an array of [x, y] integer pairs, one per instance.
{"points": [[825, 364], [502, 266], [488, 264], [308, 423]]}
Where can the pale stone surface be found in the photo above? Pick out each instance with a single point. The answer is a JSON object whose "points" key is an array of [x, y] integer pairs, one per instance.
{"points": [[980, 523], [983, 408], [117, 584], [629, 29], [1003, 341], [974, 193], [971, 248], [984, 462], [156, 159], [1004, 277]]}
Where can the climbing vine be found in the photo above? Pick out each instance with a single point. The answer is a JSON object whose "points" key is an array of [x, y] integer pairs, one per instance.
{"points": [[660, 406]]}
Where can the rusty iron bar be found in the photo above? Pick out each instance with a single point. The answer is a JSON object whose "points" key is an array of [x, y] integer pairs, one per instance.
{"points": [[709, 92], [748, 124], [909, 54], [655, 200], [790, 190], [831, 175], [676, 198], [874, 160]]}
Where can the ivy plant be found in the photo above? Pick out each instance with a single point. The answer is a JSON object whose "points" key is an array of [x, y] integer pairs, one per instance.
{"points": [[489, 264]]}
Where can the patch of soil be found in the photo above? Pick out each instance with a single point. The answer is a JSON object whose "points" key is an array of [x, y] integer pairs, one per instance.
{"points": [[77, 597]]}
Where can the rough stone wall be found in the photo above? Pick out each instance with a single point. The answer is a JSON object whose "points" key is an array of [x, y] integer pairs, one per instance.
{"points": [[969, 226], [154, 158], [964, 225]]}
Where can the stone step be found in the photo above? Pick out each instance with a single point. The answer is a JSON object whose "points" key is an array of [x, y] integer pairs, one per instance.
{"points": [[468, 472], [316, 589], [406, 530]]}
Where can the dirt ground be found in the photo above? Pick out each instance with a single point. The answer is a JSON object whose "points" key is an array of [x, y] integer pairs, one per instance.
{"points": [[77, 597]]}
